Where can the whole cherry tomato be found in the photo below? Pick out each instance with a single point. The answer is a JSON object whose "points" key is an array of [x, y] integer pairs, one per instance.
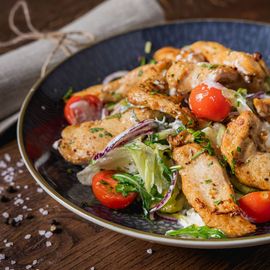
{"points": [[79, 109], [209, 103], [256, 205], [103, 186]]}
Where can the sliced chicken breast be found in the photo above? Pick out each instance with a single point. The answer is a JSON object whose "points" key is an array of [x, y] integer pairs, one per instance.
{"points": [[208, 189], [251, 67], [245, 147], [81, 142], [184, 76], [116, 90]]}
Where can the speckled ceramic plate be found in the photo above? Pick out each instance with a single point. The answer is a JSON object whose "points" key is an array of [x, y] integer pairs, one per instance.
{"points": [[41, 120]]}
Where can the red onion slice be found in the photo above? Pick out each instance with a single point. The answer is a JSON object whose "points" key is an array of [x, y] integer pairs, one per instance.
{"points": [[114, 75], [259, 94], [167, 195], [142, 128]]}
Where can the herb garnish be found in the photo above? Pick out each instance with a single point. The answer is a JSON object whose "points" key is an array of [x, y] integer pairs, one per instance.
{"points": [[96, 129], [68, 94], [194, 231], [116, 115], [209, 66], [208, 181]]}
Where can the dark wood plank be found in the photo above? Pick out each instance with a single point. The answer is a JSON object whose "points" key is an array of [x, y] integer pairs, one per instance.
{"points": [[82, 245]]}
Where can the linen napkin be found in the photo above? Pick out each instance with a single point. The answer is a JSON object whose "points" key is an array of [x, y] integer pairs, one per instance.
{"points": [[20, 68]]}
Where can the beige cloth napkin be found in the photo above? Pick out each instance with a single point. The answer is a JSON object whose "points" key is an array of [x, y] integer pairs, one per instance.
{"points": [[19, 69]]}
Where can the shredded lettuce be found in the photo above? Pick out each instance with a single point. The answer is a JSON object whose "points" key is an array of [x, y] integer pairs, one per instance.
{"points": [[215, 133], [118, 158], [237, 98]]}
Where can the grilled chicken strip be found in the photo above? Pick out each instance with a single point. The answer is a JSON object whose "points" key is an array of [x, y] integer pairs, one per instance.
{"points": [[150, 94], [81, 142], [251, 67], [174, 54], [262, 107], [246, 148], [116, 90], [184, 76], [207, 189]]}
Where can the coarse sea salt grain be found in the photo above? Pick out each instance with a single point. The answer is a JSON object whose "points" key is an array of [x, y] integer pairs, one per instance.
{"points": [[19, 163], [45, 213], [48, 243], [34, 262], [26, 187], [149, 251], [9, 244], [12, 262], [28, 266], [28, 236], [41, 232], [39, 190], [3, 164], [5, 215], [92, 268], [7, 157], [48, 234], [2, 256]]}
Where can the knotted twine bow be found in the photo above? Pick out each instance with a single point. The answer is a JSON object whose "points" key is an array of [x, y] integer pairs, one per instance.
{"points": [[65, 41]]}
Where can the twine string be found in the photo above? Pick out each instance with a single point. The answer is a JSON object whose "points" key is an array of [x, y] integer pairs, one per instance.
{"points": [[65, 41]]}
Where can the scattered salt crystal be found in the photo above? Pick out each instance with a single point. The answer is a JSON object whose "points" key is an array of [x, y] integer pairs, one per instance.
{"points": [[7, 268], [2, 256], [26, 187], [18, 218], [43, 108], [24, 207], [34, 262], [41, 210], [27, 198], [5, 215], [9, 244], [3, 164], [28, 266], [8, 178], [48, 243], [28, 236], [19, 195], [13, 262], [45, 213], [92, 268], [20, 171], [39, 190], [18, 187], [149, 251], [41, 232], [19, 202], [29, 209], [5, 241], [20, 163], [7, 157], [47, 205], [48, 234]]}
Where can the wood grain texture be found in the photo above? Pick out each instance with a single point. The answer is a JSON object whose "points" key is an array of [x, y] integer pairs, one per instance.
{"points": [[82, 245]]}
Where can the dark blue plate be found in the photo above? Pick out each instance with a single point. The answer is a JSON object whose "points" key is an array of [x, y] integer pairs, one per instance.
{"points": [[41, 120]]}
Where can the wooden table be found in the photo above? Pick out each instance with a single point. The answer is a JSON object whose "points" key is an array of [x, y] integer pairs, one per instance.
{"points": [[80, 244]]}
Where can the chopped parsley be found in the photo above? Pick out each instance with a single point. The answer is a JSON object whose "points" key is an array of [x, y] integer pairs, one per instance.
{"points": [[208, 181], [96, 129], [209, 66], [152, 61], [217, 202], [140, 73], [238, 149], [142, 61], [116, 115], [68, 94]]}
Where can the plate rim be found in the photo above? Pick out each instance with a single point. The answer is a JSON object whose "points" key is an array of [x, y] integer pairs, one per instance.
{"points": [[146, 236]]}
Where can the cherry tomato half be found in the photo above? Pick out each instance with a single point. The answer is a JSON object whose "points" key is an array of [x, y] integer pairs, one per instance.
{"points": [[209, 103], [79, 109], [103, 186], [256, 205]]}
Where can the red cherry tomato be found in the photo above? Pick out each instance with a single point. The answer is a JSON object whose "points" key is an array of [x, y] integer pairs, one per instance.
{"points": [[256, 205], [209, 103], [103, 186], [79, 109]]}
